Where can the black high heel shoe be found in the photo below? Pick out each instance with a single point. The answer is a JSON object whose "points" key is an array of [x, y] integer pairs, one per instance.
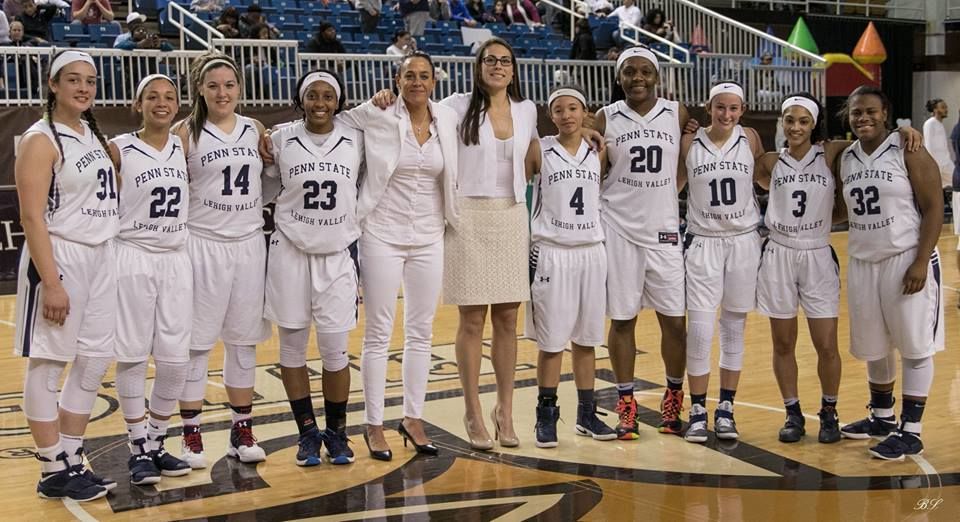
{"points": [[385, 455], [426, 449]]}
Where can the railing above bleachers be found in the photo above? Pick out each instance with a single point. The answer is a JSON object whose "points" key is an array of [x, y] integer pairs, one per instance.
{"points": [[271, 70], [910, 9]]}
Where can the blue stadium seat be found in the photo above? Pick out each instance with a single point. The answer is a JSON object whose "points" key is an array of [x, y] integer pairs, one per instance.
{"points": [[75, 33], [354, 47], [58, 31], [310, 6], [310, 21], [287, 6], [106, 33], [603, 35]]}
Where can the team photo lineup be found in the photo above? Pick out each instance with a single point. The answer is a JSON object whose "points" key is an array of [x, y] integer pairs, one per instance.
{"points": [[145, 251]]}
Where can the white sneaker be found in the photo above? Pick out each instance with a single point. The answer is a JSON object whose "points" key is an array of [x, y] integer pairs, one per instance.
{"points": [[725, 427], [243, 445], [191, 450], [697, 431]]}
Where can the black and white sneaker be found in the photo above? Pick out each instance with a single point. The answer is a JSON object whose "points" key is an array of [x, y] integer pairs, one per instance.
{"points": [[897, 446], [143, 472], [589, 425], [168, 465], [793, 429], [68, 484], [105, 482], [546, 427], [829, 425], [872, 426]]}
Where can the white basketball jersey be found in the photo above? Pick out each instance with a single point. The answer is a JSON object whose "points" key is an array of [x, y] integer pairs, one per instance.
{"points": [[800, 208], [154, 193], [884, 220], [639, 194], [82, 202], [566, 202], [225, 191], [317, 205], [720, 180]]}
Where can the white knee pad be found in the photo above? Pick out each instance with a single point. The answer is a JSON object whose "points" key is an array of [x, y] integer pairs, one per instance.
{"points": [[731, 339], [131, 383], [168, 387], [239, 365], [917, 376], [80, 389], [293, 347], [882, 371], [196, 385], [333, 350], [699, 340], [40, 389]]}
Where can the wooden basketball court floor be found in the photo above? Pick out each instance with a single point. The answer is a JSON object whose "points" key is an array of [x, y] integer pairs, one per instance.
{"points": [[658, 477]]}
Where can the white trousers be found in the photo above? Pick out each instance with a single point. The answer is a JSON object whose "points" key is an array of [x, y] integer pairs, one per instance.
{"points": [[383, 268]]}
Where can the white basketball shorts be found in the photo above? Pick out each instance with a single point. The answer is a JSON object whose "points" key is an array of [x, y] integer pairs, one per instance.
{"points": [[568, 291], [639, 278], [790, 278], [722, 272]]}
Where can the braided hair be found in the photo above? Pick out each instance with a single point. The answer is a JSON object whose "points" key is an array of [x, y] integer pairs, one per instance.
{"points": [[52, 104]]}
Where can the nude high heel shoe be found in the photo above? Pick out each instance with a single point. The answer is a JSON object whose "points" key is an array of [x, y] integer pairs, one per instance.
{"points": [[477, 442], [506, 442]]}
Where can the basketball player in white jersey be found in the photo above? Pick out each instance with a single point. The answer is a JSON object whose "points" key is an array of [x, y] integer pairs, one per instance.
{"points": [[154, 278], [722, 251], [227, 250], [641, 220], [67, 289], [895, 210], [568, 265], [312, 270]]}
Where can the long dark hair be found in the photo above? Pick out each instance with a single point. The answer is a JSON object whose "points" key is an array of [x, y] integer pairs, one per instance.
{"points": [[51, 104], [480, 98], [819, 132], [864, 90], [298, 103], [198, 109]]}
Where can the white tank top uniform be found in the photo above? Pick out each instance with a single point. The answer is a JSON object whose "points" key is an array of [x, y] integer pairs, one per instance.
{"points": [[567, 259], [798, 267], [154, 272], [723, 253], [884, 233], [82, 216], [311, 270]]}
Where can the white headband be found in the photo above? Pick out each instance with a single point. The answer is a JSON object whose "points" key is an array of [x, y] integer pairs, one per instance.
{"points": [[214, 63], [727, 88], [319, 77], [806, 103], [566, 92], [143, 83], [642, 52], [67, 58]]}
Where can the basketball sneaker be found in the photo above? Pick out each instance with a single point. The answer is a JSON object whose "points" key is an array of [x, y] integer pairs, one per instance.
{"points": [[588, 425], [68, 484], [829, 425], [897, 445], [143, 471], [243, 445], [191, 449], [627, 428], [104, 482], [168, 465], [724, 425], [308, 448], [697, 431], [338, 448], [546, 428], [670, 407], [793, 429], [872, 426]]}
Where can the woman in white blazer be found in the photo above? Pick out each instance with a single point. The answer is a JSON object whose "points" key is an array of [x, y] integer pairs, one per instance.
{"points": [[406, 201]]}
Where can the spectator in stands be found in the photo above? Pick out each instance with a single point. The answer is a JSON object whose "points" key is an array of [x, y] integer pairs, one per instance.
{"points": [[656, 22], [12, 9], [36, 19], [132, 20], [628, 13], [600, 8], [141, 39], [439, 10], [583, 46], [229, 22], [92, 11], [402, 44], [206, 6], [325, 41], [18, 38], [253, 18], [521, 12], [479, 12], [460, 13], [369, 14], [416, 14]]}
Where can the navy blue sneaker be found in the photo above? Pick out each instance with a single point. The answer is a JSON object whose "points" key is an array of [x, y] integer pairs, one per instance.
{"points": [[897, 446], [872, 426], [68, 484], [143, 471], [338, 447], [308, 452], [546, 428], [829, 425], [589, 425], [103, 482]]}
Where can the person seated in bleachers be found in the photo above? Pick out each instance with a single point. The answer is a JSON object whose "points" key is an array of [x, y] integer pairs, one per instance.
{"points": [[141, 39], [402, 44], [628, 13], [416, 14], [656, 22], [12, 9], [521, 12], [253, 18], [36, 19], [206, 6], [439, 10], [133, 18], [229, 22], [583, 46], [4, 29], [369, 14], [18, 38], [599, 8], [478, 11], [460, 13], [92, 11], [325, 40]]}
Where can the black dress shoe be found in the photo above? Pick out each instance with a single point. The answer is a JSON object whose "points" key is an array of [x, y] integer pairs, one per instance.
{"points": [[379, 455], [426, 449]]}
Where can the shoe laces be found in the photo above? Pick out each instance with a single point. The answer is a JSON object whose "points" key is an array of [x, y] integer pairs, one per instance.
{"points": [[336, 441], [672, 405], [627, 412], [244, 433], [194, 441]]}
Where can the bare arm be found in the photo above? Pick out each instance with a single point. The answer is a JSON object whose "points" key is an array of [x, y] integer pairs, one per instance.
{"points": [[925, 180], [763, 169], [531, 162], [839, 205], [33, 171], [79, 14], [182, 130], [755, 143], [106, 10], [604, 165], [685, 142]]}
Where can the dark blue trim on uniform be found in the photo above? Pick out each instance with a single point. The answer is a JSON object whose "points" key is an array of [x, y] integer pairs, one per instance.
{"points": [[296, 139], [621, 113], [763, 250], [134, 147], [853, 153], [212, 134], [355, 256], [702, 144], [174, 151], [814, 160], [891, 146], [663, 110], [935, 262], [244, 131], [342, 140], [62, 135], [30, 314], [781, 160]]}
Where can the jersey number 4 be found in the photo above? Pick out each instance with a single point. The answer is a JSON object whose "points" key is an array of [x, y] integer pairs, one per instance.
{"points": [[166, 202], [310, 198], [576, 202]]}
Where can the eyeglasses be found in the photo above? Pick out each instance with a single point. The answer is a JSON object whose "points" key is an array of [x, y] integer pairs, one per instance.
{"points": [[491, 61]]}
